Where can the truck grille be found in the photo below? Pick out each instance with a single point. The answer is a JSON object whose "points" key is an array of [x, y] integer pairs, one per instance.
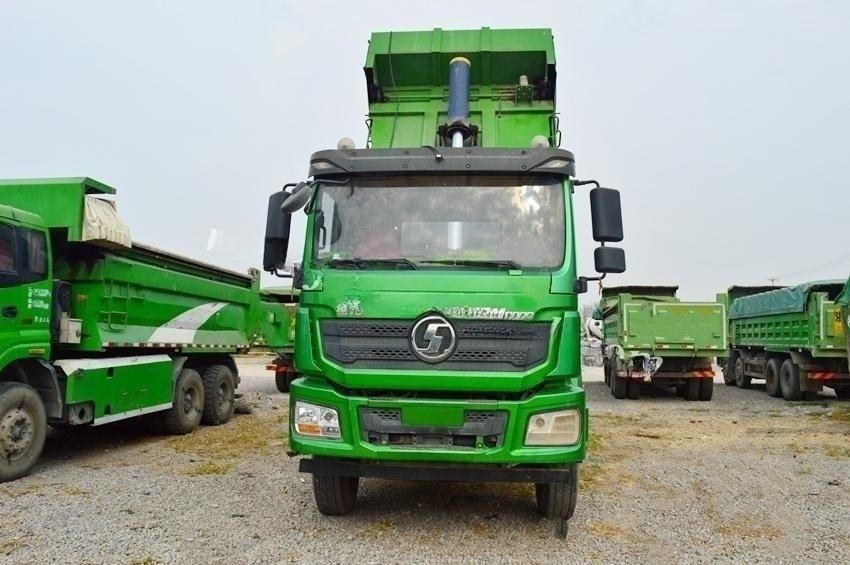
{"points": [[481, 345], [480, 429]]}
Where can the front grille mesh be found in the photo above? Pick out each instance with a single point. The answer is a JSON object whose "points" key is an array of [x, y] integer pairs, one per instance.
{"points": [[482, 345]]}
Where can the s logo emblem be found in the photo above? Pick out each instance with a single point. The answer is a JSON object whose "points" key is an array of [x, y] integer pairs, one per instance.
{"points": [[433, 338]]}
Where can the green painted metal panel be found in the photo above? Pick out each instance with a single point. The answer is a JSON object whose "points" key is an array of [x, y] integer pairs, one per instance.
{"points": [[118, 387], [658, 323], [407, 83]]}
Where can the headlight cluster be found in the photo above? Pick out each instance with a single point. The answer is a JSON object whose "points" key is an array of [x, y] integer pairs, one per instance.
{"points": [[554, 428], [317, 421]]}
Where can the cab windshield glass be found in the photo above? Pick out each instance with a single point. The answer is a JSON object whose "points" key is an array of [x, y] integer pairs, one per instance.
{"points": [[458, 221]]}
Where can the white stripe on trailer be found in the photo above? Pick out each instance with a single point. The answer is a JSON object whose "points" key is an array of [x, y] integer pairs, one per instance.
{"points": [[71, 366], [182, 328], [130, 414]]}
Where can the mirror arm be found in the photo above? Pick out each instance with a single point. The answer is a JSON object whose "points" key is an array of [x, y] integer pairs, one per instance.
{"points": [[584, 182]]}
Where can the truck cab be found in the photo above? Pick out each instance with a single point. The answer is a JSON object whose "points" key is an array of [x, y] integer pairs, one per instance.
{"points": [[437, 333]]}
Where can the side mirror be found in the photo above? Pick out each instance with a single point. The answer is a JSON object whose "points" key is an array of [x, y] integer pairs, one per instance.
{"points": [[300, 196], [606, 215], [609, 259], [277, 233]]}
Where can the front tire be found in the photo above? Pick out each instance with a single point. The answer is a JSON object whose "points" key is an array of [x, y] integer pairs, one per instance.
{"points": [[633, 389], [558, 500], [742, 380], [219, 395], [187, 406], [23, 428], [335, 495], [619, 387]]}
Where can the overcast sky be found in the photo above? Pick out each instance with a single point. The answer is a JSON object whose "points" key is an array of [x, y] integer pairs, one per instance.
{"points": [[724, 124]]}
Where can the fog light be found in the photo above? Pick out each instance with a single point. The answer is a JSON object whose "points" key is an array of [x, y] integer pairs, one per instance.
{"points": [[554, 428], [314, 420]]}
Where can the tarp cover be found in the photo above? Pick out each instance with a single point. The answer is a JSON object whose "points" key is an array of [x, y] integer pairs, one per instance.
{"points": [[781, 301], [102, 224], [844, 297]]}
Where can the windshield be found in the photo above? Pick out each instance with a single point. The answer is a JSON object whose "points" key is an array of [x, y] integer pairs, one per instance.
{"points": [[431, 221]]}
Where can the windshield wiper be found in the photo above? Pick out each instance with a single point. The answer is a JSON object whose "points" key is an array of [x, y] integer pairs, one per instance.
{"points": [[495, 263], [359, 263]]}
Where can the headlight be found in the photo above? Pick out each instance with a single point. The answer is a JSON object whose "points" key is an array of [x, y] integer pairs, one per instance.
{"points": [[315, 420], [554, 428]]}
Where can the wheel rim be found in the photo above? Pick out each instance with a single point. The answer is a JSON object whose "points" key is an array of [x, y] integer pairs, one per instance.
{"points": [[17, 431], [223, 395], [190, 402], [739, 372]]}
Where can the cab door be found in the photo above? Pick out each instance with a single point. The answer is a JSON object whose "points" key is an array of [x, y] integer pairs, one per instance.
{"points": [[11, 292], [25, 292]]}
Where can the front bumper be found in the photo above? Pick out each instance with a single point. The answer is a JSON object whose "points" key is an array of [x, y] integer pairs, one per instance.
{"points": [[431, 415]]}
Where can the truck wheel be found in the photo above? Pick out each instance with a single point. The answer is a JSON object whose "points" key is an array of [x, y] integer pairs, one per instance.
{"points": [[771, 377], [706, 389], [692, 389], [789, 381], [605, 373], [188, 404], [283, 381], [728, 370], [558, 500], [335, 495], [742, 380], [219, 395], [23, 427], [619, 387], [633, 389]]}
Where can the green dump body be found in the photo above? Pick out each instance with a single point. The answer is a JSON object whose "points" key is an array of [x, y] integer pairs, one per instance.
{"points": [[407, 84], [795, 338], [652, 336], [652, 320], [514, 331], [805, 316]]}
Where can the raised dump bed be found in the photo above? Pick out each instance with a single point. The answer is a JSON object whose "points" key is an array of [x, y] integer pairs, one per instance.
{"points": [[793, 338], [650, 336]]}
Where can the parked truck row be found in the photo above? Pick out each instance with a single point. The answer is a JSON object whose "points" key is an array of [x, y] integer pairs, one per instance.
{"points": [[795, 339], [95, 328]]}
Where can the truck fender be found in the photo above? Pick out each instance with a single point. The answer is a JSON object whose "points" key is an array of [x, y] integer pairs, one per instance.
{"points": [[179, 361], [40, 375]]}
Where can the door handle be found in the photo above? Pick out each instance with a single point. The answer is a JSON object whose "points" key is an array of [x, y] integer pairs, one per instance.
{"points": [[10, 311]]}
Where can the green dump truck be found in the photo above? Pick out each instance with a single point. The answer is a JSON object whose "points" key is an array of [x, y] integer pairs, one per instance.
{"points": [[650, 336], [96, 328], [793, 338], [437, 331]]}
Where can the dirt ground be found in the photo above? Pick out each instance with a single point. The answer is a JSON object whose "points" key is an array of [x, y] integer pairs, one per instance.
{"points": [[744, 477]]}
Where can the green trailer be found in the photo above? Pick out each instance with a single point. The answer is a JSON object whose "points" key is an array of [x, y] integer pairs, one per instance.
{"points": [[96, 328], [650, 336], [793, 338], [437, 329]]}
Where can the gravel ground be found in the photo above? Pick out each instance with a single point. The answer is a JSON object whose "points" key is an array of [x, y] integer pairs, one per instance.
{"points": [[744, 477]]}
